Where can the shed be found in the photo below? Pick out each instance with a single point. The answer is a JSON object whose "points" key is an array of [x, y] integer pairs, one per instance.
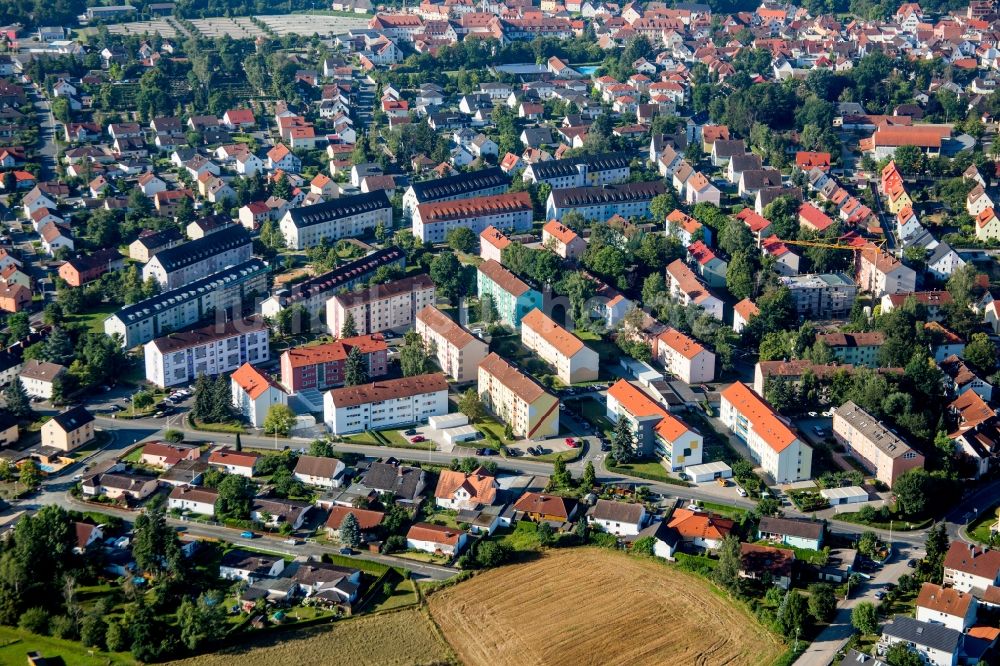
{"points": [[444, 421], [463, 433], [848, 495], [709, 472]]}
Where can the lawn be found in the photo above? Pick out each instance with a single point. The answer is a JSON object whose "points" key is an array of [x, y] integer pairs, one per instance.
{"points": [[595, 413], [649, 469], [524, 536], [489, 426], [398, 439], [979, 529], [609, 352], [93, 318], [404, 594], [895, 523], [16, 643], [421, 556], [572, 455], [724, 510], [134, 455]]}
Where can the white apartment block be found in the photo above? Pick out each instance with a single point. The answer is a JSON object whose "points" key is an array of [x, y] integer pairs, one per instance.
{"points": [[458, 352], [183, 264], [345, 217], [385, 404], [684, 357], [381, 307], [432, 221], [517, 400], [573, 361], [179, 358], [773, 444]]}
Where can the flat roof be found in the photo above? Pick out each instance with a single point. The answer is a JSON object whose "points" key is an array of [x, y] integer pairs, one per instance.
{"points": [[708, 468], [848, 491]]}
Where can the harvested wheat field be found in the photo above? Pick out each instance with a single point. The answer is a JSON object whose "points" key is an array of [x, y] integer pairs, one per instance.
{"points": [[403, 638], [594, 606]]}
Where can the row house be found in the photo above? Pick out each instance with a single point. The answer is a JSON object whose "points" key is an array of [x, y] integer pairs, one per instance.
{"points": [[345, 217], [433, 221]]}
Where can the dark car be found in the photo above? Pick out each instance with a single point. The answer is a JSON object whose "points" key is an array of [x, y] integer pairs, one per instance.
{"points": [[484, 452], [912, 563], [605, 446], [410, 433], [346, 551]]}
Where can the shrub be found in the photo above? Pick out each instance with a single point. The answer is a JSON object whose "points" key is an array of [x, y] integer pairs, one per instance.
{"points": [[173, 436], [35, 620], [63, 626], [394, 544]]}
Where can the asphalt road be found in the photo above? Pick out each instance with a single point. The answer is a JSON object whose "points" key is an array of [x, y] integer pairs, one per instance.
{"points": [[48, 151]]}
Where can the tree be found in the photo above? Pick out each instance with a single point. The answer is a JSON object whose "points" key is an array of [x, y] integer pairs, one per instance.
{"points": [[868, 543], [472, 405], [173, 436], [865, 618], [93, 629], [203, 621], [662, 205], [239, 443], [350, 531], [142, 400], [154, 542], [355, 368], [321, 448], [30, 475], [116, 638], [35, 620], [16, 399], [58, 347], [446, 272], [981, 353], [822, 602], [589, 476], [235, 493], [909, 160], [792, 614], [901, 654], [735, 236], [741, 275], [727, 572], [545, 533], [413, 356], [462, 239], [622, 442], [561, 477], [491, 554], [349, 329], [911, 492], [280, 419]]}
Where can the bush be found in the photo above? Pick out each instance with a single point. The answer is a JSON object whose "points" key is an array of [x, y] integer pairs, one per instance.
{"points": [[394, 544], [173, 436], [35, 620], [644, 546], [603, 539], [116, 638], [63, 626]]}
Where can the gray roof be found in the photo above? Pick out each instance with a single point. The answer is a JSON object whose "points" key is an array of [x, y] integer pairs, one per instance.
{"points": [[463, 184], [72, 419], [401, 480], [621, 512], [588, 196], [247, 561], [344, 274], [806, 529], [342, 207], [939, 252], [177, 257], [886, 441], [568, 167], [927, 634]]}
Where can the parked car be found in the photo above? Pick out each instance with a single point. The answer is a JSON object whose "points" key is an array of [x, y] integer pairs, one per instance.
{"points": [[741, 492], [246, 535], [346, 551], [410, 432], [605, 446], [880, 595], [819, 431], [571, 443], [912, 563], [418, 439]]}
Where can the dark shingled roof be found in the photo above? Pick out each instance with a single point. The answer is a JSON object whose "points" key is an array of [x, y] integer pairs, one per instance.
{"points": [[72, 419], [463, 184], [806, 529], [338, 208], [344, 274], [175, 258], [936, 636], [402, 481], [587, 196], [568, 167]]}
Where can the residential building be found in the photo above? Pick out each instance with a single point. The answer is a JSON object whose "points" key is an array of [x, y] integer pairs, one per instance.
{"points": [[870, 441], [433, 221], [935, 644], [711, 268], [743, 312], [150, 242], [39, 378], [381, 307], [186, 263], [887, 138], [273, 512], [854, 348], [573, 361], [82, 270], [507, 293], [960, 378], [222, 293], [344, 217], [465, 491], [179, 358], [485, 182], [540, 507], [601, 203], [821, 295], [68, 430], [436, 539], [773, 444], [126, 486], [987, 224], [969, 567], [458, 352], [385, 404], [764, 562], [880, 273], [254, 393], [582, 171], [166, 454], [562, 240], [684, 286], [946, 605], [241, 463], [517, 399], [405, 483], [368, 521], [622, 519], [684, 357], [797, 532], [319, 471], [248, 566], [933, 302], [656, 432], [193, 499], [322, 366], [492, 242], [700, 529]]}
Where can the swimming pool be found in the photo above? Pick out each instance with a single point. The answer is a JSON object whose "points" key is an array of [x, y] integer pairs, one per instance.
{"points": [[588, 70]]}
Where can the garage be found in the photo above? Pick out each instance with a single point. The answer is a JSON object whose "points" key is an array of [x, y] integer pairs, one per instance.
{"points": [[709, 472], [444, 421], [848, 495], [465, 433]]}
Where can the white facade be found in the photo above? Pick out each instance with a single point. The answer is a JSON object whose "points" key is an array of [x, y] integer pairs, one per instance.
{"points": [[684, 358], [199, 506], [351, 417], [458, 352], [345, 217], [168, 364], [574, 361], [383, 307], [254, 407], [507, 211]]}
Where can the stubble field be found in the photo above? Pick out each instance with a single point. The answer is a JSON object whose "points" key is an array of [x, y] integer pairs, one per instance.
{"points": [[593, 606]]}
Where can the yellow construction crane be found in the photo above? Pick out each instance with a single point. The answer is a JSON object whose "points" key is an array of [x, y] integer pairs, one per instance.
{"points": [[833, 246]]}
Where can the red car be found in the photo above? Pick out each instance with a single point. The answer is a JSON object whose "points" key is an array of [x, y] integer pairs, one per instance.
{"points": [[572, 443], [418, 439]]}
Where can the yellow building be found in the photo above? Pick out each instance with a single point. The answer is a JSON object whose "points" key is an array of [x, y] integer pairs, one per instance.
{"points": [[69, 430], [517, 400]]}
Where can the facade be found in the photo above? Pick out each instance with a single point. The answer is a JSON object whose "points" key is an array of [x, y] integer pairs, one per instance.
{"points": [[508, 294], [434, 220], [582, 171], [458, 490], [854, 348], [946, 605], [385, 404], [254, 393], [880, 274], [344, 217], [381, 307], [684, 357], [436, 539], [485, 182], [618, 518], [517, 400], [684, 286], [322, 366], [968, 567], [39, 377], [81, 270], [562, 240], [234, 462], [601, 203], [795, 532], [223, 292], [68, 430], [492, 242], [867, 439], [180, 265], [656, 432], [936, 645], [194, 500], [574, 361], [215, 349], [821, 295], [319, 471], [773, 444], [458, 352]]}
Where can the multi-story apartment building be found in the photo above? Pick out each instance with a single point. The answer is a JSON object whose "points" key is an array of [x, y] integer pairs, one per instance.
{"points": [[180, 358], [517, 399], [322, 366], [182, 264], [601, 203], [385, 404], [685, 287], [655, 430], [582, 171], [854, 348], [222, 293], [880, 273], [314, 292], [969, 567], [492, 243], [507, 293], [345, 217], [573, 361], [381, 307], [432, 221], [482, 183], [684, 357], [773, 444], [821, 295], [868, 439], [458, 352], [254, 393], [562, 240]]}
